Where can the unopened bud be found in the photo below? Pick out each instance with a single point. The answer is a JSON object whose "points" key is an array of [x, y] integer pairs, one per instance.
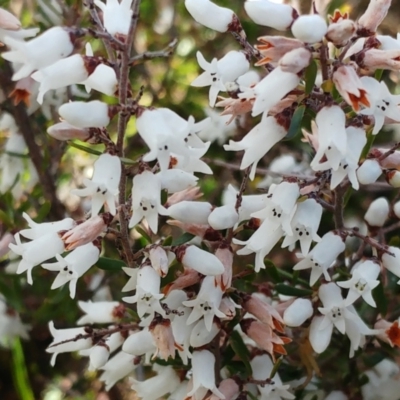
{"points": [[392, 262], [223, 217], [369, 172], [8, 21], [309, 28], [99, 355], [298, 312], [375, 13], [65, 131], [396, 209], [296, 60], [267, 13], [192, 212], [377, 213], [161, 330], [393, 178], [175, 180], [339, 33]]}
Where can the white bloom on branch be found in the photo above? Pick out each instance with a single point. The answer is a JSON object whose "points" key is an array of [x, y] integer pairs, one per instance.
{"points": [[258, 142], [209, 14], [391, 262], [321, 257], [383, 103], [117, 16], [40, 52], [363, 281], [100, 312], [35, 252], [140, 343], [305, 223], [369, 171], [175, 180], [103, 187], [67, 340], [218, 72], [272, 14], [378, 212], [192, 212], [146, 200], [298, 312], [309, 28], [73, 266]]}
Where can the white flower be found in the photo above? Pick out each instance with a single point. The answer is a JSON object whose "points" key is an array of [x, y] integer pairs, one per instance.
{"points": [[392, 263], [262, 367], [72, 338], [369, 171], [117, 16], [206, 304], [223, 217], [91, 114], [200, 336], [378, 212], [49, 47], [218, 72], [146, 200], [103, 187], [210, 15], [298, 312], [140, 343], [192, 212], [200, 260], [305, 223], [332, 138], [73, 266], [272, 14], [116, 368], [65, 72], [203, 363], [100, 312], [166, 381], [321, 257], [362, 282], [258, 142], [383, 103], [309, 28], [35, 252], [276, 85], [10, 324], [176, 180]]}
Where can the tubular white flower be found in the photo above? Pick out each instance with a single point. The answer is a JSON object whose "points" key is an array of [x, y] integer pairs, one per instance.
{"points": [[206, 304], [160, 260], [322, 256], [309, 28], [36, 251], [268, 13], [37, 230], [295, 60], [166, 381], [218, 72], [91, 114], [100, 312], [396, 209], [103, 187], [276, 85], [378, 212], [73, 266], [223, 217], [262, 367], [391, 263], [116, 368], [200, 260], [298, 312], [200, 336], [210, 15], [176, 180], [49, 47], [146, 200], [369, 172], [363, 281], [383, 103], [203, 363], [258, 142], [332, 138], [192, 212], [60, 335], [64, 72], [305, 223], [117, 16], [140, 343]]}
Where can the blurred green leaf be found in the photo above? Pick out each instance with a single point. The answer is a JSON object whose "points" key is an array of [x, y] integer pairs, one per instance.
{"points": [[109, 264], [310, 76], [295, 124], [292, 291], [186, 237], [240, 350]]}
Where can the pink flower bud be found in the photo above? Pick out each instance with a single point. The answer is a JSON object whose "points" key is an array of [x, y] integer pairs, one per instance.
{"points": [[298, 312], [225, 255], [267, 13], [296, 60], [161, 331], [160, 260], [6, 239], [210, 15], [8, 21], [374, 59], [187, 194], [273, 48], [373, 16], [377, 213], [369, 172], [190, 277], [199, 260], [309, 28], [339, 33], [92, 114], [229, 388], [65, 131]]}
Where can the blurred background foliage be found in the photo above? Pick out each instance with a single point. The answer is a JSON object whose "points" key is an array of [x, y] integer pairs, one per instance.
{"points": [[25, 372]]}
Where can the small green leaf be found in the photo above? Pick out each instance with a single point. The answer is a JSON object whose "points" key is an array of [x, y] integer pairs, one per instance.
{"points": [[109, 264], [295, 124], [186, 237], [168, 241], [85, 149], [240, 350], [144, 234], [310, 76], [378, 74], [292, 291], [276, 367]]}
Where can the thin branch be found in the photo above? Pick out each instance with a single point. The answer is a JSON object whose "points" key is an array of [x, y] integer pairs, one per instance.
{"points": [[148, 55]]}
